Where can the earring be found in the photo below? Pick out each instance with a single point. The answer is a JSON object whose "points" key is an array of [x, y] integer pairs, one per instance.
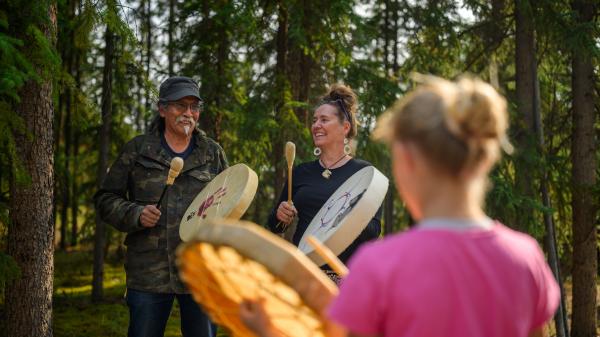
{"points": [[347, 148], [317, 151]]}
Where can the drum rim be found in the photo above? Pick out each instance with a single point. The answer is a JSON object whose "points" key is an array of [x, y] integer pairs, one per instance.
{"points": [[236, 211], [290, 266], [365, 209]]}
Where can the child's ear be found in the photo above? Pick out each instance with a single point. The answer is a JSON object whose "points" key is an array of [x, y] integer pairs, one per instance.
{"points": [[404, 153]]}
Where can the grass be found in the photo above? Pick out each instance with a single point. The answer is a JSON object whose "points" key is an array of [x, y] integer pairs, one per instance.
{"points": [[76, 316], [74, 313]]}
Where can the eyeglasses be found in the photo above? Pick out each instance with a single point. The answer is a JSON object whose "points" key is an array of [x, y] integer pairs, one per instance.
{"points": [[340, 103], [181, 107]]}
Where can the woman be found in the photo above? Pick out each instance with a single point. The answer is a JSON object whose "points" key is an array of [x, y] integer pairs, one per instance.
{"points": [[457, 272], [334, 124]]}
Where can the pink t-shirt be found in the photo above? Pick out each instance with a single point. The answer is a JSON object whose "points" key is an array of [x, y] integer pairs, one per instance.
{"points": [[444, 282]]}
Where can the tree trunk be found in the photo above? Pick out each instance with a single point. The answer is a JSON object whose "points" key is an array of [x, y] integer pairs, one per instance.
{"points": [[148, 50], [222, 58], [281, 87], [494, 36], [74, 188], [306, 65], [57, 135], [66, 195], [386, 37], [584, 207], [104, 141], [525, 64], [214, 87], [395, 65], [58, 174], [31, 232], [171, 32], [75, 153], [66, 46], [495, 30], [560, 317]]}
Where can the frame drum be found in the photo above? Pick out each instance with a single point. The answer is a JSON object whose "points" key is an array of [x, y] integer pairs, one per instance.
{"points": [[228, 195], [228, 261], [346, 213]]}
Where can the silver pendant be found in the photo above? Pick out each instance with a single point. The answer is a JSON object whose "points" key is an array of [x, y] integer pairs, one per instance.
{"points": [[326, 174]]}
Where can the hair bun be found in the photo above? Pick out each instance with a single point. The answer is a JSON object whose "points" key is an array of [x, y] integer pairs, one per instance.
{"points": [[343, 93], [347, 96], [457, 125], [477, 112]]}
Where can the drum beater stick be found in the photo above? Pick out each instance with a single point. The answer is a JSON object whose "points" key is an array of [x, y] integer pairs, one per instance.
{"points": [[327, 255], [290, 155], [174, 169]]}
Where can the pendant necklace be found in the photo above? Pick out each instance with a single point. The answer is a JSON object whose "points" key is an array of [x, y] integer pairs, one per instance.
{"points": [[327, 173]]}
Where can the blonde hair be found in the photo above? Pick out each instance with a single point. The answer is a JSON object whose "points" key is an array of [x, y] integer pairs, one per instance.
{"points": [[337, 95], [457, 125]]}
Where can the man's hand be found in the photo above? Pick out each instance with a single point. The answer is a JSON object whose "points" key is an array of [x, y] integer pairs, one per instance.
{"points": [[149, 216]]}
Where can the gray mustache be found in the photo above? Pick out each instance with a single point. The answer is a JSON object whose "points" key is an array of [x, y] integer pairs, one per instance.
{"points": [[183, 118]]}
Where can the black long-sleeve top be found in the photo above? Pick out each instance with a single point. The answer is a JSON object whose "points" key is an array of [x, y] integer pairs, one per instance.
{"points": [[310, 191]]}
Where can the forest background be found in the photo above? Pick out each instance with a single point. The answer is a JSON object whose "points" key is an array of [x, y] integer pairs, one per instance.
{"points": [[79, 78]]}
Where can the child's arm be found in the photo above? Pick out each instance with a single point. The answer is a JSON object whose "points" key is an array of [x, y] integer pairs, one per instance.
{"points": [[252, 313], [254, 316]]}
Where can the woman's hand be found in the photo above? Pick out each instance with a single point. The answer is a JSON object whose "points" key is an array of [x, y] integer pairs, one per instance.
{"points": [[286, 212]]}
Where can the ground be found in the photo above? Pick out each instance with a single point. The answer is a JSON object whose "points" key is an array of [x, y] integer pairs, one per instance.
{"points": [[74, 313], [76, 316]]}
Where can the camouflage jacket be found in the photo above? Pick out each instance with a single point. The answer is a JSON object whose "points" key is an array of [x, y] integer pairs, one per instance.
{"points": [[137, 178]]}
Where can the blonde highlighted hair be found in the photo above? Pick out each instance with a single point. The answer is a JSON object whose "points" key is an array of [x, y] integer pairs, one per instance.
{"points": [[344, 99], [457, 125]]}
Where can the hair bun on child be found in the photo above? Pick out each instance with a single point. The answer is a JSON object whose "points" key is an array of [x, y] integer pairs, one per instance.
{"points": [[477, 112], [458, 125]]}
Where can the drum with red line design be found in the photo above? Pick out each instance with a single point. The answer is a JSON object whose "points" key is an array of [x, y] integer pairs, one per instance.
{"points": [[228, 195]]}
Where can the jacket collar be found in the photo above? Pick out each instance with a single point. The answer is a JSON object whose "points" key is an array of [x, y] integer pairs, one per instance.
{"points": [[154, 150]]}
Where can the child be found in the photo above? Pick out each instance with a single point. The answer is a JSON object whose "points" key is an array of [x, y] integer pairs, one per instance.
{"points": [[457, 272]]}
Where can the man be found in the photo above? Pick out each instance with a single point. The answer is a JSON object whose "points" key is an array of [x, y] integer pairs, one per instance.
{"points": [[127, 200]]}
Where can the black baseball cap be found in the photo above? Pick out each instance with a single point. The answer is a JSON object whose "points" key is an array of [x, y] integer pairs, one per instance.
{"points": [[178, 87]]}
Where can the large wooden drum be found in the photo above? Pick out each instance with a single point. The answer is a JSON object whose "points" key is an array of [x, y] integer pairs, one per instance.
{"points": [[346, 213], [228, 195], [227, 261]]}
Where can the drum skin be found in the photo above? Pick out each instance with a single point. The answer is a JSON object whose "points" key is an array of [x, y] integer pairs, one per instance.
{"points": [[228, 195], [346, 213]]}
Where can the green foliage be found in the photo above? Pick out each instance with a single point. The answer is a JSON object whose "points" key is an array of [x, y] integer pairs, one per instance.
{"points": [[9, 270], [252, 107], [17, 65], [11, 123], [74, 313], [15, 69], [230, 47]]}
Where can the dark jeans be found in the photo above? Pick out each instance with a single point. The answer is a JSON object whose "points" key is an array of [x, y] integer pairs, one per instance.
{"points": [[149, 312]]}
